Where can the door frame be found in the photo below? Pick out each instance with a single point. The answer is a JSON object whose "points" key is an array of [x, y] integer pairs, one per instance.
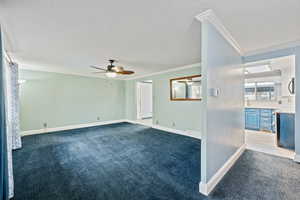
{"points": [[138, 97], [294, 66]]}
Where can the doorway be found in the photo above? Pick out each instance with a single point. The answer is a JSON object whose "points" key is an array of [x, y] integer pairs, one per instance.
{"points": [[145, 102], [270, 106]]}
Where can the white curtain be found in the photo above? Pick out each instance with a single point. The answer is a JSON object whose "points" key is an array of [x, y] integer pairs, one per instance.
{"points": [[13, 105], [13, 122]]}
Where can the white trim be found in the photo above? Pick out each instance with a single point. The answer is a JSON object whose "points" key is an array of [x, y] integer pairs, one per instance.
{"points": [[297, 158], [211, 17], [166, 71], [286, 45], [189, 133], [136, 122], [69, 127], [206, 188], [138, 100], [60, 70], [6, 57]]}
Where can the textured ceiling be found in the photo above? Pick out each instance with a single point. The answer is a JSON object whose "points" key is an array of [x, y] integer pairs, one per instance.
{"points": [[147, 36]]}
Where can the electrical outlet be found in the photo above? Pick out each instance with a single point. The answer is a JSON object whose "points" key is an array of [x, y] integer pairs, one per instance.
{"points": [[45, 125], [157, 122], [98, 118], [173, 124]]}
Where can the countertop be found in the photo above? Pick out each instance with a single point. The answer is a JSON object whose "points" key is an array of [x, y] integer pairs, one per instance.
{"points": [[278, 110], [261, 107]]}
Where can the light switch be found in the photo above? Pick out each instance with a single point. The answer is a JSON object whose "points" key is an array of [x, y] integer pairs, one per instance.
{"points": [[214, 92]]}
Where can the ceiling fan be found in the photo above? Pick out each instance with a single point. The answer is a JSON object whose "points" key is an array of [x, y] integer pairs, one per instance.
{"points": [[111, 70]]}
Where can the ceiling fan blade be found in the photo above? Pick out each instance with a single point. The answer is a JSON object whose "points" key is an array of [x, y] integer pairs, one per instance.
{"points": [[95, 67], [99, 72], [126, 72]]}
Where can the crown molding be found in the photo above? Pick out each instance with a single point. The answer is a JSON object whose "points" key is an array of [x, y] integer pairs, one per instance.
{"points": [[60, 70], [2, 40], [211, 17], [286, 45], [6, 56], [165, 71]]}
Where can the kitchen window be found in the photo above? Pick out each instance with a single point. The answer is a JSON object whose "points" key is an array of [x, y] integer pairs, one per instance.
{"points": [[250, 91], [261, 91]]}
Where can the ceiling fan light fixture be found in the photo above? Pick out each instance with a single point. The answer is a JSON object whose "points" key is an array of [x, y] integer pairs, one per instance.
{"points": [[111, 74], [112, 71], [118, 69]]}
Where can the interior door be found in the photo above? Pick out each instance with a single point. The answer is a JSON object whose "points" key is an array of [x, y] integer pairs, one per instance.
{"points": [[145, 100]]}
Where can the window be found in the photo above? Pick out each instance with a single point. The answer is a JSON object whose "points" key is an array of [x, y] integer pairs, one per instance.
{"points": [[250, 91], [261, 91], [265, 91]]}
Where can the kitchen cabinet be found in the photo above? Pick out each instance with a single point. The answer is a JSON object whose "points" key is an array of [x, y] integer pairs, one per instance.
{"points": [[252, 118], [266, 120], [260, 119]]}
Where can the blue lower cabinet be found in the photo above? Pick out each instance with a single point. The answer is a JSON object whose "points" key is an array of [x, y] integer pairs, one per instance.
{"points": [[266, 124], [266, 119], [259, 119], [252, 119]]}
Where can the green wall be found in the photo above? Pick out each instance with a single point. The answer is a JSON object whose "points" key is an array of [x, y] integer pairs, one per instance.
{"points": [[184, 114], [60, 100]]}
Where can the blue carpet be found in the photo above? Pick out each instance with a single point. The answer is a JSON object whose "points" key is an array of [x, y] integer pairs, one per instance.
{"points": [[132, 162], [259, 176], [112, 162]]}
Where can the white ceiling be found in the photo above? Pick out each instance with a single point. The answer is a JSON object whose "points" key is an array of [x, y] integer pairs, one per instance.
{"points": [[147, 36]]}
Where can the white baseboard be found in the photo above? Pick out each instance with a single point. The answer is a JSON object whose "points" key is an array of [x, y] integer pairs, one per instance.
{"points": [[297, 158], [136, 122], [190, 133], [206, 188], [70, 127]]}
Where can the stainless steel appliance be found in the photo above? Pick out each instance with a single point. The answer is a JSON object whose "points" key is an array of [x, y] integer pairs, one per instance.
{"points": [[285, 130]]}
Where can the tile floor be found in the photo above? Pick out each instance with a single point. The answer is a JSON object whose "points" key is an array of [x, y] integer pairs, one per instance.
{"points": [[265, 142]]}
